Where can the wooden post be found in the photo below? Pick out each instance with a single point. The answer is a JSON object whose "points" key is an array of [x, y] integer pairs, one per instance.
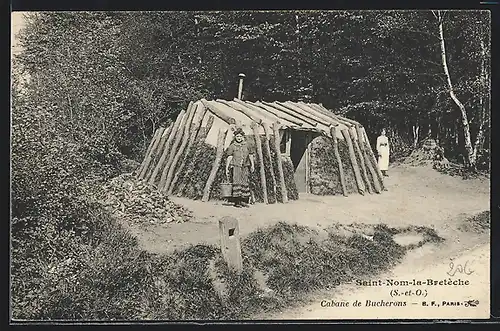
{"points": [[173, 150], [333, 131], [258, 144], [148, 151], [354, 162], [374, 160], [229, 233], [149, 157], [369, 165], [202, 134], [362, 162], [268, 151], [185, 138], [166, 148], [215, 167], [276, 132], [195, 129]]}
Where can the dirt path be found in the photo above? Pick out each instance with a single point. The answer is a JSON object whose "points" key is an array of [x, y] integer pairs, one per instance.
{"points": [[416, 195], [322, 306]]}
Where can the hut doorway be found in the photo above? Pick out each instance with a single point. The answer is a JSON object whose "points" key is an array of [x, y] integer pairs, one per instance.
{"points": [[299, 155]]}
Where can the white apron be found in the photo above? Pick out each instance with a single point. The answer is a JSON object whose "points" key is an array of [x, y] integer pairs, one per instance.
{"points": [[383, 152]]}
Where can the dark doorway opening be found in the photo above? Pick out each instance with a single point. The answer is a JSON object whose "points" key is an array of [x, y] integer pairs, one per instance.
{"points": [[299, 158]]}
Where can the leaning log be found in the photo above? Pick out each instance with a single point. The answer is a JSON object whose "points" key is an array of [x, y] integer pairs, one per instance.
{"points": [[345, 119], [157, 156], [362, 163], [221, 137], [173, 150], [374, 160], [333, 131], [200, 138], [195, 129], [376, 183], [152, 152], [280, 115], [158, 153], [217, 112], [243, 109], [276, 140], [328, 113], [148, 151], [166, 148], [267, 148], [258, 144], [284, 110], [180, 151], [354, 162], [315, 116]]}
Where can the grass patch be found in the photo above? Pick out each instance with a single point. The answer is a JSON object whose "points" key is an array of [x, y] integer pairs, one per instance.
{"points": [[112, 279]]}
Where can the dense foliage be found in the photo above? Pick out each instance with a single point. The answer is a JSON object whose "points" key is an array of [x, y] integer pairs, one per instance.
{"points": [[89, 90], [120, 75]]}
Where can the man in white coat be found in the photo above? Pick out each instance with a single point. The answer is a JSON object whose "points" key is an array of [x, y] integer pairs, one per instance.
{"points": [[383, 153]]}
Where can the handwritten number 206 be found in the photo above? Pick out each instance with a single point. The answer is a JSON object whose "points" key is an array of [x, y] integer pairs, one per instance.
{"points": [[465, 269]]}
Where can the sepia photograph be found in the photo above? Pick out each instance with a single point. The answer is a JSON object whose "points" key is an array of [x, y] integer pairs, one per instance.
{"points": [[250, 165]]}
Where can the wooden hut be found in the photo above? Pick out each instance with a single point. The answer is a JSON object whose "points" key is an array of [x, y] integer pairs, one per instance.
{"points": [[300, 148]]}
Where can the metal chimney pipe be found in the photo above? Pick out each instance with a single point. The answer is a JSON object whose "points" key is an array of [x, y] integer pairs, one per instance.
{"points": [[240, 87]]}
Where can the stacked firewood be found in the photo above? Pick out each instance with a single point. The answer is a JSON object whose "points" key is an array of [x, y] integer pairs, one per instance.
{"points": [[138, 202]]}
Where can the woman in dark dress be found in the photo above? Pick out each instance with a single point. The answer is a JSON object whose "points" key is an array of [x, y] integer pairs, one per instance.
{"points": [[240, 159]]}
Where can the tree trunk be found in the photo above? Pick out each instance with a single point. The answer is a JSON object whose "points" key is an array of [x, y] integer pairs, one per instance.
{"points": [[200, 140], [469, 162], [484, 84], [363, 145], [373, 159], [185, 139], [148, 151], [267, 147], [195, 128], [177, 138], [258, 144], [333, 131], [151, 154], [364, 173], [415, 129], [276, 140], [166, 148], [354, 162], [157, 155], [215, 167]]}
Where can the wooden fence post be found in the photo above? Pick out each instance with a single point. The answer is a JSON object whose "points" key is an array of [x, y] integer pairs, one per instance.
{"points": [[229, 233]]}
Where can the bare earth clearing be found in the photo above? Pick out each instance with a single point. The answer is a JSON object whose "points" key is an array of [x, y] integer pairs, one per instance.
{"points": [[415, 196]]}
